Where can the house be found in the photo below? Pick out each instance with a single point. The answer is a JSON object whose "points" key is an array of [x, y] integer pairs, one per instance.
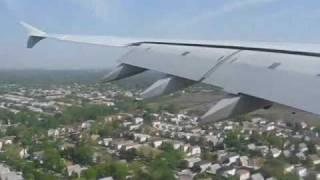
{"points": [[202, 165], [38, 156], [109, 103], [106, 178], [301, 156], [263, 150], [255, 163], [157, 143], [87, 124], [228, 127], [185, 174], [213, 168], [23, 153], [215, 140], [53, 132], [138, 120], [244, 160], [303, 147], [7, 140], [243, 174], [315, 159], [107, 141], [177, 144], [270, 127], [119, 145], [195, 150], [257, 176], [231, 158], [303, 125], [75, 169], [252, 147], [301, 171], [141, 137], [227, 171], [222, 154], [11, 176], [126, 124], [94, 137], [192, 160], [134, 127], [3, 169], [256, 120], [128, 146], [156, 124], [287, 153], [288, 169], [271, 178], [275, 152]]}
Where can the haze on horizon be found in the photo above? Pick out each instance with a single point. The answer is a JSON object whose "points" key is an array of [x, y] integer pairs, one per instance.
{"points": [[267, 20]]}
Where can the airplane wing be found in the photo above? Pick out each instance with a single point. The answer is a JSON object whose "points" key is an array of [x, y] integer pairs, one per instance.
{"points": [[254, 73]]}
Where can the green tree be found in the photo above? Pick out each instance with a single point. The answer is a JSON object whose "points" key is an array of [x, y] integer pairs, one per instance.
{"points": [[52, 160], [232, 139], [173, 157], [274, 140], [274, 167], [81, 154], [129, 155], [160, 169], [119, 170], [90, 173], [289, 176]]}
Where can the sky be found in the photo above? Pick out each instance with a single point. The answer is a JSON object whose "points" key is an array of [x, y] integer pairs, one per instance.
{"points": [[259, 20]]}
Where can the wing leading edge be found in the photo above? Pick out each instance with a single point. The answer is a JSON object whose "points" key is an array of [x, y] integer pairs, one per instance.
{"points": [[254, 73]]}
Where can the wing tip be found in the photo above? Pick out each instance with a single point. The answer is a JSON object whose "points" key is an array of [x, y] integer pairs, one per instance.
{"points": [[34, 34]]}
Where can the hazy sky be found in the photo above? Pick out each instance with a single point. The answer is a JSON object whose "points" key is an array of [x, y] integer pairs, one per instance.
{"points": [[268, 20]]}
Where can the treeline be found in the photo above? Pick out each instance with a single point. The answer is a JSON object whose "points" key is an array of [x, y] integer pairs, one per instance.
{"points": [[32, 78], [47, 77]]}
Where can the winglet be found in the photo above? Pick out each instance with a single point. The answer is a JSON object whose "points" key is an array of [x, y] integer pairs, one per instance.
{"points": [[35, 35]]}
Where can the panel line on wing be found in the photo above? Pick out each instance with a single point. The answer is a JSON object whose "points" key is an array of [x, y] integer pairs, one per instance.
{"points": [[220, 62]]}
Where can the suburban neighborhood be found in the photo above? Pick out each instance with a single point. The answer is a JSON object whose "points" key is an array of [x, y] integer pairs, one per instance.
{"points": [[90, 132]]}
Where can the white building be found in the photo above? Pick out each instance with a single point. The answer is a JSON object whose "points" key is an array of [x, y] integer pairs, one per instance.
{"points": [[138, 120], [301, 171], [275, 152], [77, 169], [257, 176], [243, 174]]}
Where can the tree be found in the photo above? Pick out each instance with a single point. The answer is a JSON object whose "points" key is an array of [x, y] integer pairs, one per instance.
{"points": [[274, 140], [159, 170], [129, 155], [232, 139], [90, 173], [171, 108], [82, 154], [289, 176], [173, 157], [274, 167], [52, 160], [119, 170]]}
